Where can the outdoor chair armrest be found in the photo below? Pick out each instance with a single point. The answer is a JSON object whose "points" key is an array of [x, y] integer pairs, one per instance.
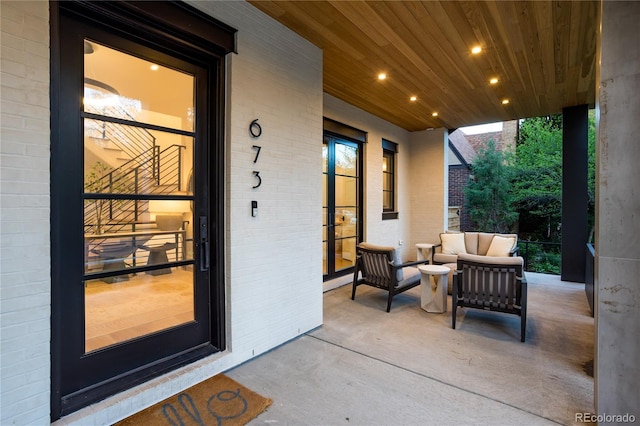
{"points": [[514, 251], [433, 252], [414, 263]]}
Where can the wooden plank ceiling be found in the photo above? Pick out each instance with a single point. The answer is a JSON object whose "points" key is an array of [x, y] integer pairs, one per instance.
{"points": [[542, 52]]}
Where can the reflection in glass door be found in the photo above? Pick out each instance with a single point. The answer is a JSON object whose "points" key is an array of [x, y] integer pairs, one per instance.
{"points": [[341, 228]]}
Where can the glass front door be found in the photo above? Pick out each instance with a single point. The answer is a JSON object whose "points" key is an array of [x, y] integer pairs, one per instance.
{"points": [[137, 161], [138, 223], [342, 190]]}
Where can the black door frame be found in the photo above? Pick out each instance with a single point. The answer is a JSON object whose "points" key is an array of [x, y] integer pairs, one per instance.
{"points": [[350, 136], [154, 26]]}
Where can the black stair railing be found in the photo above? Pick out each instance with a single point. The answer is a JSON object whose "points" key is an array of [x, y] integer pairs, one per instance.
{"points": [[103, 213], [131, 140]]}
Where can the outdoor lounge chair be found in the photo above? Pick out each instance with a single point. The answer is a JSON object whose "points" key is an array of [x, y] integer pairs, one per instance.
{"points": [[493, 284], [380, 267]]}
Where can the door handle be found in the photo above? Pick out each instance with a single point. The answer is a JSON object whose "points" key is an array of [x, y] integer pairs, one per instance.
{"points": [[205, 251]]}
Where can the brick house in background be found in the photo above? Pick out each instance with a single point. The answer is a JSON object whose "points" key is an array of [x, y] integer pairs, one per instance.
{"points": [[463, 150]]}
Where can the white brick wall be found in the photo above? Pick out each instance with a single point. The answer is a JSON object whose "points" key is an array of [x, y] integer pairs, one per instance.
{"points": [[24, 217], [429, 185], [274, 261]]}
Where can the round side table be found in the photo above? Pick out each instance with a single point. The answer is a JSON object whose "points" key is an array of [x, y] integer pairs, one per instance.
{"points": [[433, 284]]}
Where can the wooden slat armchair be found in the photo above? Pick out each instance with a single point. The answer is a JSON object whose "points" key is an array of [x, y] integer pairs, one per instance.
{"points": [[380, 267], [491, 283]]}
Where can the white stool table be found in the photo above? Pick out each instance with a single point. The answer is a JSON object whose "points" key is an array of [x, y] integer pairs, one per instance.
{"points": [[421, 247], [433, 285]]}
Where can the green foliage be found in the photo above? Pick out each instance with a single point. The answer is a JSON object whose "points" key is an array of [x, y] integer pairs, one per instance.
{"points": [[100, 179], [542, 258], [93, 183], [488, 194], [537, 178], [93, 178], [530, 185], [591, 182]]}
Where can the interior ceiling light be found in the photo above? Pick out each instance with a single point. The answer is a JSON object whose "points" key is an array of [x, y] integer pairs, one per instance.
{"points": [[476, 49], [413, 98], [493, 81], [382, 76], [154, 67], [505, 101], [434, 114]]}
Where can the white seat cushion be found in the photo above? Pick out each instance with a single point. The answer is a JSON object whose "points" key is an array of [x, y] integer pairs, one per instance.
{"points": [[445, 258], [411, 275]]}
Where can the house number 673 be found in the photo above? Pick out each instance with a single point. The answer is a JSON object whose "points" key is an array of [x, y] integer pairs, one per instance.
{"points": [[256, 131]]}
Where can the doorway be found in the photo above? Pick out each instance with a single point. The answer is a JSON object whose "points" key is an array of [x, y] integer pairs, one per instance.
{"points": [[342, 204], [137, 178]]}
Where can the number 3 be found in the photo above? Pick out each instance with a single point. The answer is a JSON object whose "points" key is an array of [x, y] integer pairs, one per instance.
{"points": [[257, 174]]}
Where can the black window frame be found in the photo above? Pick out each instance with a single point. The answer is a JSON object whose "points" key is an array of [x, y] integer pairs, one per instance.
{"points": [[390, 151], [347, 135]]}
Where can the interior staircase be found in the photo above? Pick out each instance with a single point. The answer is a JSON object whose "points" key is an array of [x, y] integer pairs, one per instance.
{"points": [[126, 162]]}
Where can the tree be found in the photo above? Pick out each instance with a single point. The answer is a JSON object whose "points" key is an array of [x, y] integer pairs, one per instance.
{"points": [[94, 183], [488, 193], [591, 179], [537, 179]]}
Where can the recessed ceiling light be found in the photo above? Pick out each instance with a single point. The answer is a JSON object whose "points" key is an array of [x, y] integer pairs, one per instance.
{"points": [[505, 101], [154, 67], [493, 81], [382, 76], [476, 49], [413, 98], [434, 114]]}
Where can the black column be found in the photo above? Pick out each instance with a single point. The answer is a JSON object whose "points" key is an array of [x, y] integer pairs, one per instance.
{"points": [[574, 192]]}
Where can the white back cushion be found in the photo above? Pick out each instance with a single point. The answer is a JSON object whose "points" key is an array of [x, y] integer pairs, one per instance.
{"points": [[501, 246], [452, 243]]}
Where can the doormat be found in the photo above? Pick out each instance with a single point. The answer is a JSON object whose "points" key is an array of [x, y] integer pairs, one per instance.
{"points": [[218, 401]]}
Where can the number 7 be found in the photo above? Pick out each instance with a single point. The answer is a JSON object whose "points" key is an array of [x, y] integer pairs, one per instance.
{"points": [[257, 153]]}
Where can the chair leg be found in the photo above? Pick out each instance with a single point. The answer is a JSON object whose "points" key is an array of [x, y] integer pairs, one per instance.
{"points": [[389, 301], [454, 312], [523, 314], [454, 300], [355, 281]]}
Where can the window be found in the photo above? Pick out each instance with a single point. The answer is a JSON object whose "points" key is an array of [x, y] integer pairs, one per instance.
{"points": [[389, 151]]}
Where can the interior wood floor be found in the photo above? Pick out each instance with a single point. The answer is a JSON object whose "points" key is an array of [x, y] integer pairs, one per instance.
{"points": [[340, 264], [142, 305]]}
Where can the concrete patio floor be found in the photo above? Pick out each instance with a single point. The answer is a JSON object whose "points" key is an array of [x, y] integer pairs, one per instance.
{"points": [[408, 367]]}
